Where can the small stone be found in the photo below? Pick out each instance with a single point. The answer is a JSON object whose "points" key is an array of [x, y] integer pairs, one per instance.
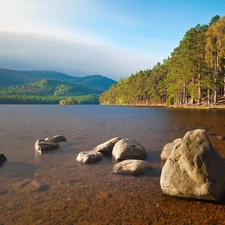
{"points": [[89, 156], [221, 137], [128, 149], [167, 149], [56, 138], [2, 159], [132, 166], [44, 145], [107, 147]]}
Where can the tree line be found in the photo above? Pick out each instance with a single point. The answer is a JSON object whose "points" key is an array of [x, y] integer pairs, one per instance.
{"points": [[35, 99], [194, 72]]}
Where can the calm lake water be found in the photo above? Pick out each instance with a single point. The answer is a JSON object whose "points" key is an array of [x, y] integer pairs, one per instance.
{"points": [[54, 189]]}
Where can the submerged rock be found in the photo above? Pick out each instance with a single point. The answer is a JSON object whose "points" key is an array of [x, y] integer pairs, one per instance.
{"points": [[44, 145], [221, 137], [89, 156], [2, 159], [194, 169], [56, 138], [128, 149], [107, 147], [132, 166], [167, 149], [29, 186]]}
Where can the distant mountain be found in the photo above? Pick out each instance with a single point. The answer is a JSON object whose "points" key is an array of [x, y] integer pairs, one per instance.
{"points": [[95, 83]]}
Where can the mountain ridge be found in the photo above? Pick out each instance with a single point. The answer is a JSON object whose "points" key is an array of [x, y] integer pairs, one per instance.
{"points": [[11, 77]]}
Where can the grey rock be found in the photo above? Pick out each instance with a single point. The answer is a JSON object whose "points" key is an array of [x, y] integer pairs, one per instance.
{"points": [[44, 145], [167, 149], [56, 138], [107, 147], [194, 169], [128, 149], [132, 166], [89, 156]]}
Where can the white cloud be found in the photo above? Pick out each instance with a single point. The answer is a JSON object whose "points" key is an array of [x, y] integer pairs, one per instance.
{"points": [[36, 14], [58, 35]]}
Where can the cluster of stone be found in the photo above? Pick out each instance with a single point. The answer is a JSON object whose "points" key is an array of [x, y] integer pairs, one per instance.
{"points": [[49, 143], [193, 168], [2, 159], [130, 153]]}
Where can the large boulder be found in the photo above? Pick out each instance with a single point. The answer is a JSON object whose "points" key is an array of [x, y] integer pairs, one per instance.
{"points": [[132, 166], [44, 145], [128, 149], [56, 138], [107, 147], [167, 149], [194, 169], [89, 156]]}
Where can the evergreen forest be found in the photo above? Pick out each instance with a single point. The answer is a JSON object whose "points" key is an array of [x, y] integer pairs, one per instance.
{"points": [[194, 73]]}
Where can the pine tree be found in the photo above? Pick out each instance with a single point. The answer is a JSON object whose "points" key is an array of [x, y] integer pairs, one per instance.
{"points": [[215, 51]]}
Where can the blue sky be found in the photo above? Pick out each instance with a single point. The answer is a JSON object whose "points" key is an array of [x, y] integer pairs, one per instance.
{"points": [[113, 38]]}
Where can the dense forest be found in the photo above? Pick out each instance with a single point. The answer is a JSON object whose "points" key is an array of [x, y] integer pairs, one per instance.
{"points": [[63, 100], [194, 73]]}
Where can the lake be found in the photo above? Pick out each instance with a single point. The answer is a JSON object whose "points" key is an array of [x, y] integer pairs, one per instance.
{"points": [[53, 188]]}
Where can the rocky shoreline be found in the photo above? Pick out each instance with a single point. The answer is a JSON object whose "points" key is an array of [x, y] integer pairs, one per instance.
{"points": [[193, 169]]}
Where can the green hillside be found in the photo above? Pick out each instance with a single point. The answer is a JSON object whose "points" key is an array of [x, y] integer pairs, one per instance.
{"points": [[49, 87], [95, 81], [14, 77]]}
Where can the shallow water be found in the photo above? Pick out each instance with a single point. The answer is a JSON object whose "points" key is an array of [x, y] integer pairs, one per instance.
{"points": [[53, 188]]}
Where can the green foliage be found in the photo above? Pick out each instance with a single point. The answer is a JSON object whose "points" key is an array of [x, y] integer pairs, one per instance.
{"points": [[49, 87], [69, 101], [132, 90], [215, 52], [34, 99], [214, 20], [194, 72]]}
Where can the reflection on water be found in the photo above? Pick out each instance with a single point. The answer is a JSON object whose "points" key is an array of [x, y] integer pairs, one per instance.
{"points": [[53, 188]]}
